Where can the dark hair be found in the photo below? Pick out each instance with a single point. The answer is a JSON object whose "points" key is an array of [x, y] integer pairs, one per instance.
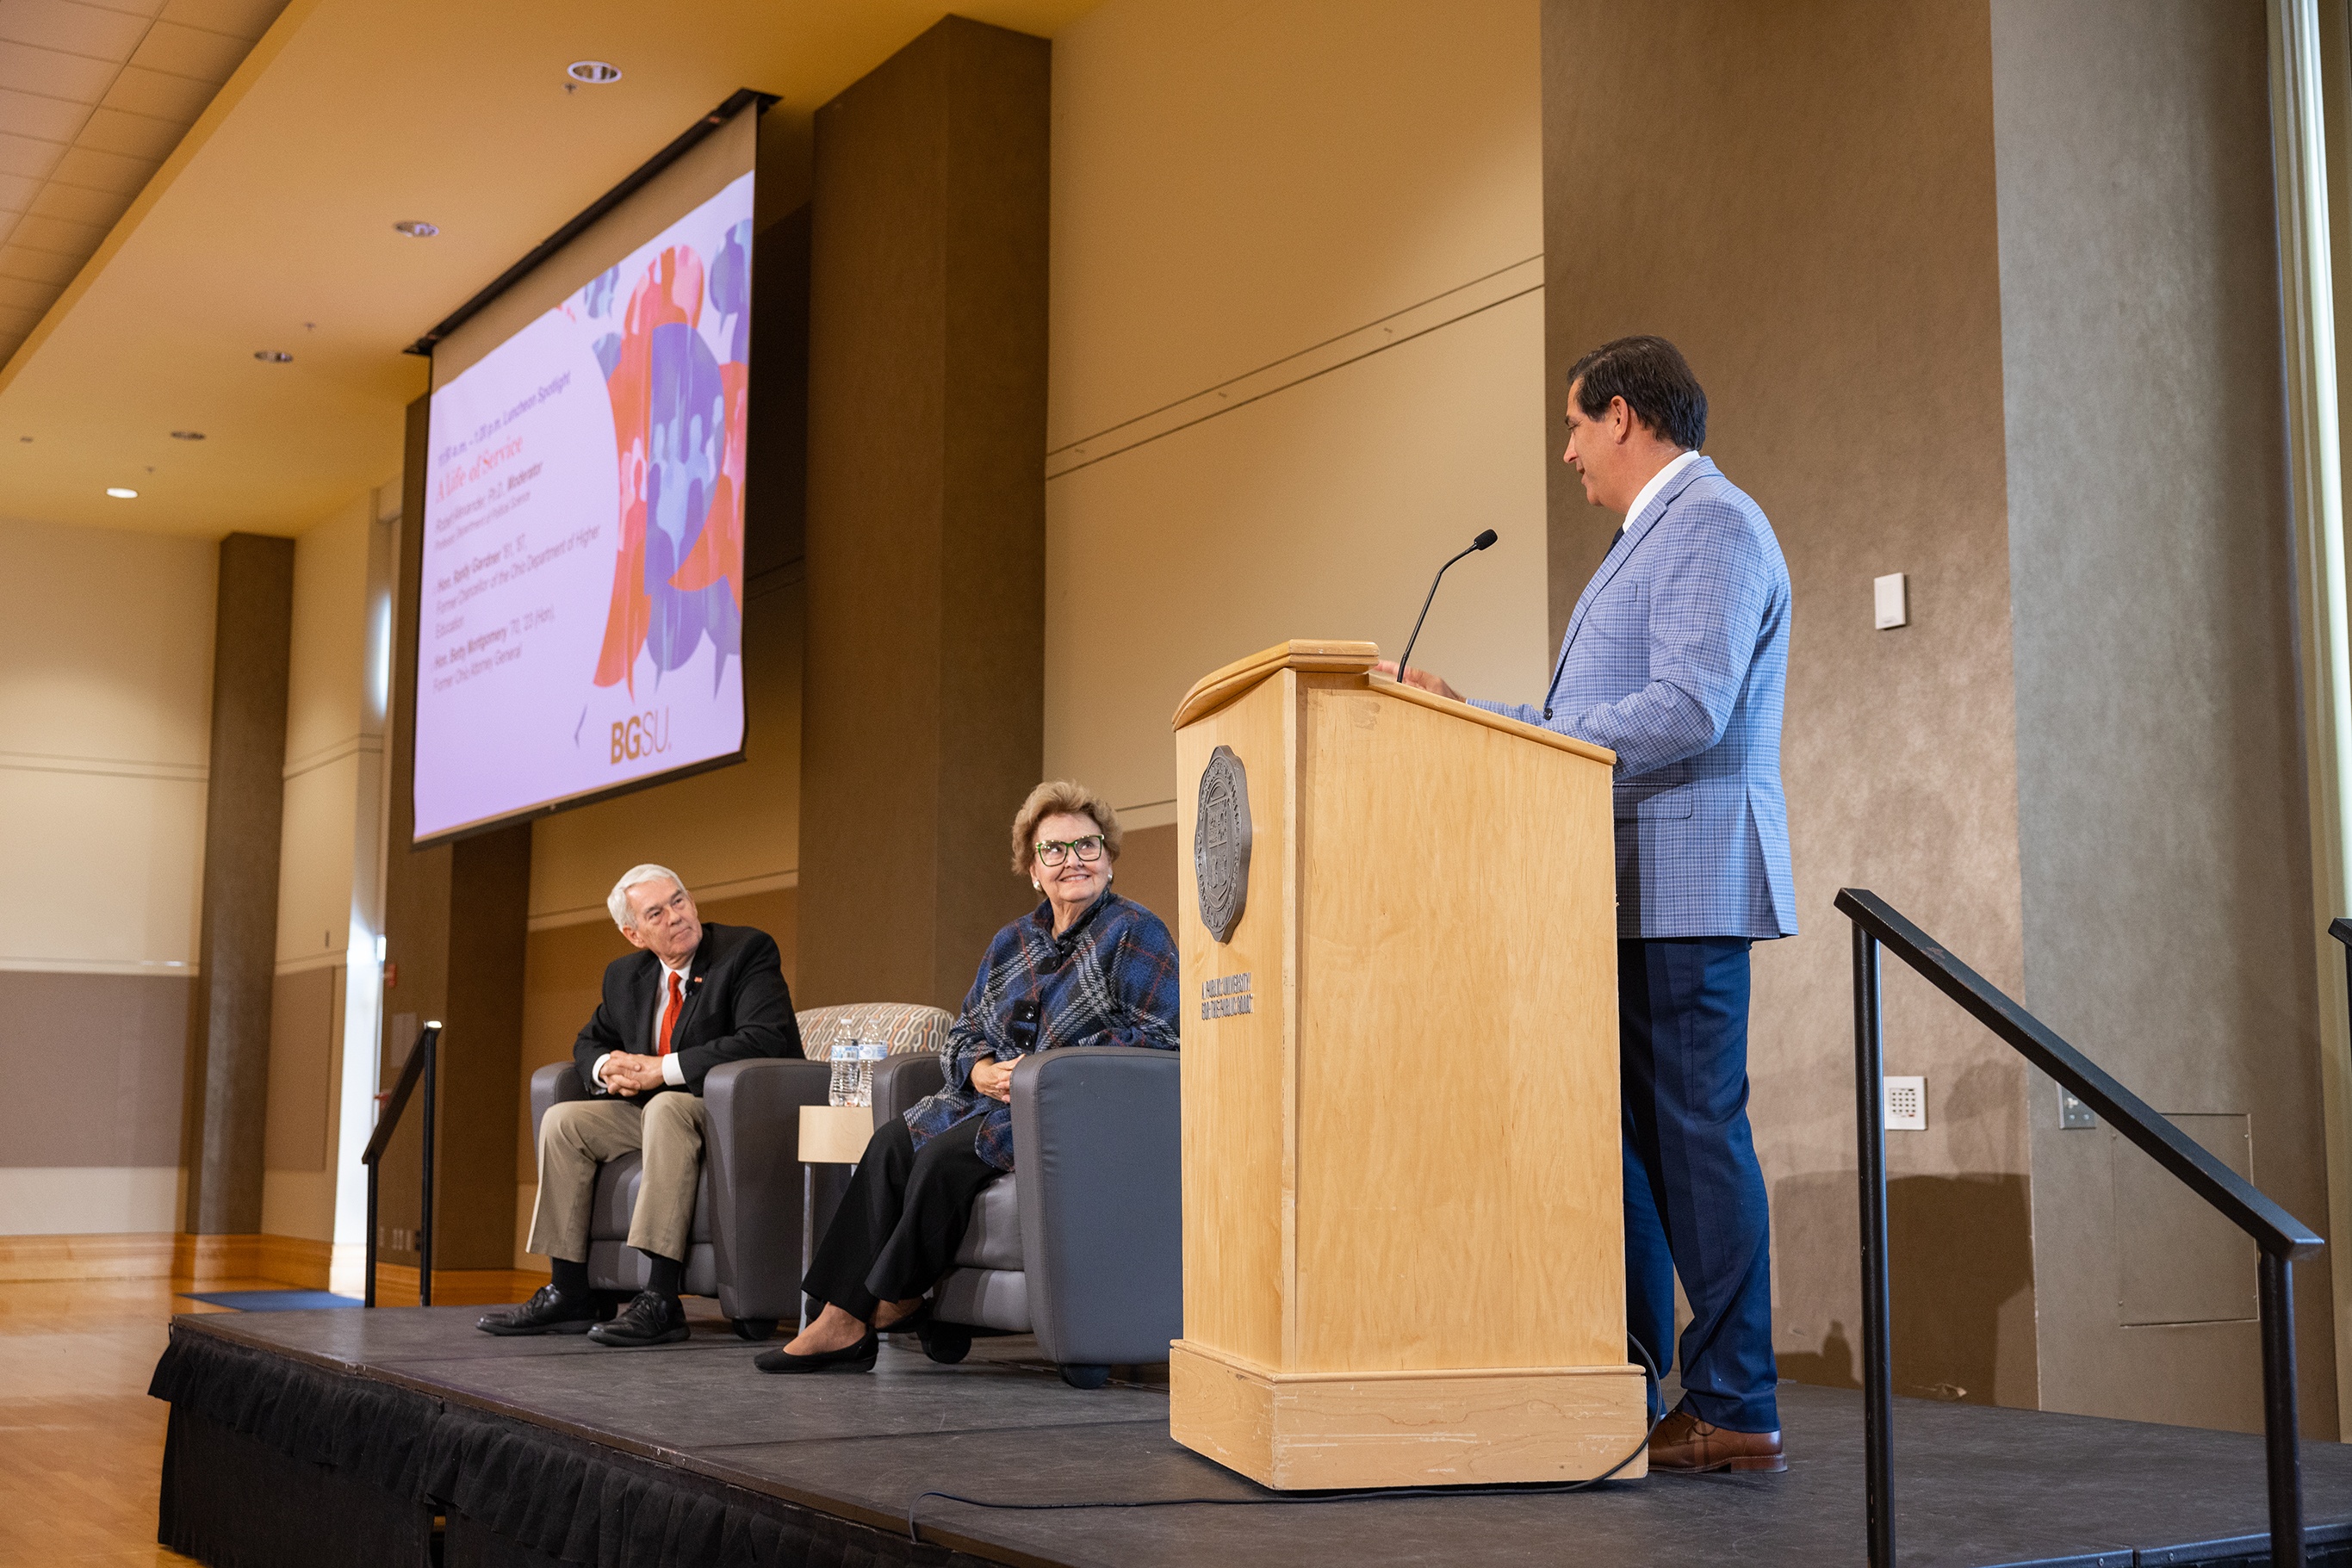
{"points": [[1655, 382]]}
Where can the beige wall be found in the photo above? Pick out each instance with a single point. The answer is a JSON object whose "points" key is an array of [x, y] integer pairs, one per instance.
{"points": [[2165, 860], [105, 645], [105, 695], [329, 742], [1261, 203]]}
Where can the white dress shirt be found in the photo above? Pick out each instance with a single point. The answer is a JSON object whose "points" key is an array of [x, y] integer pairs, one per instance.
{"points": [[673, 1073], [1657, 483]]}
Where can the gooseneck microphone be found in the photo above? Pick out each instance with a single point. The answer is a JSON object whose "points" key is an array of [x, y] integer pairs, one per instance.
{"points": [[1481, 542]]}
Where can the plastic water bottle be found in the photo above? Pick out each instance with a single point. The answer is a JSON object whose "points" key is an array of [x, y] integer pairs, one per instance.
{"points": [[868, 1053], [848, 1067]]}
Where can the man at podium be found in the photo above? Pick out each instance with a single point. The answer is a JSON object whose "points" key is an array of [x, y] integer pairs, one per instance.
{"points": [[1676, 658]]}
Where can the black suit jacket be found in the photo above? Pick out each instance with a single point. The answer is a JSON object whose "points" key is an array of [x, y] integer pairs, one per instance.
{"points": [[737, 1007]]}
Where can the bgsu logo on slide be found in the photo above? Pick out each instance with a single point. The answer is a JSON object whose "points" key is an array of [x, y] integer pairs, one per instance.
{"points": [[640, 735]]}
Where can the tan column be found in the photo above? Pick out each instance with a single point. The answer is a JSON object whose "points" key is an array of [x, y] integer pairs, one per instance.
{"points": [[228, 1049], [923, 721]]}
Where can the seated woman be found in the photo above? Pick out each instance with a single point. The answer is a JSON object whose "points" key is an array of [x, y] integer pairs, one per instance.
{"points": [[1085, 968]]}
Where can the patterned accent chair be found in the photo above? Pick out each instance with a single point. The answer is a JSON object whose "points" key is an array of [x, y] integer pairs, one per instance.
{"points": [[1084, 1245], [745, 1245], [908, 1027]]}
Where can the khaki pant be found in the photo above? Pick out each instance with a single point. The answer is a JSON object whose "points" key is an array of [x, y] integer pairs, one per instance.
{"points": [[577, 1135]]}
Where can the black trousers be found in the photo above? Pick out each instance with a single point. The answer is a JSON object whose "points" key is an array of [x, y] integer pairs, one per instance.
{"points": [[897, 1226]]}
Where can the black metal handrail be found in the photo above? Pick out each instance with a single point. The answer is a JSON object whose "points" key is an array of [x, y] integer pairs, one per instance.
{"points": [[419, 1066], [2341, 929], [2280, 1237]]}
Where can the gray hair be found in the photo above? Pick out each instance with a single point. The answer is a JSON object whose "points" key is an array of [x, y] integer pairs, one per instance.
{"points": [[617, 901]]}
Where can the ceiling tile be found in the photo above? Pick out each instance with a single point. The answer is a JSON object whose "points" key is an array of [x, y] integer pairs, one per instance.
{"points": [[247, 19], [76, 28], [143, 91], [16, 321], [33, 160], [80, 203], [37, 266], [133, 135], [189, 51], [27, 295], [43, 118], [104, 171], [10, 342], [77, 77], [36, 232], [147, 8], [17, 192]]}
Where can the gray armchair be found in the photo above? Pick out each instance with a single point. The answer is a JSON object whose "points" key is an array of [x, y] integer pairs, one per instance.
{"points": [[1084, 1244], [745, 1244], [745, 1247]]}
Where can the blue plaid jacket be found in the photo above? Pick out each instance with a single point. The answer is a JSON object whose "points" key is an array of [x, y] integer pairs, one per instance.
{"points": [[1676, 658], [1109, 979]]}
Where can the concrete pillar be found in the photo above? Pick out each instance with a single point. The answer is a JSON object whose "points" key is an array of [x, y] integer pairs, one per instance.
{"points": [[923, 723], [228, 1050]]}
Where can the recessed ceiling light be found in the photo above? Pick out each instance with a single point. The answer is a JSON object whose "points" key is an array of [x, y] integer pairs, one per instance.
{"points": [[121, 494], [594, 73], [273, 356], [187, 435], [416, 228]]}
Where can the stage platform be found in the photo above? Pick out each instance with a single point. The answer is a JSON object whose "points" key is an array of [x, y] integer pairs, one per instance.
{"points": [[311, 1437]]}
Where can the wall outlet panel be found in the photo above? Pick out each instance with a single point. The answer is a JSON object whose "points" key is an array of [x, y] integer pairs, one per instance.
{"points": [[1890, 601]]}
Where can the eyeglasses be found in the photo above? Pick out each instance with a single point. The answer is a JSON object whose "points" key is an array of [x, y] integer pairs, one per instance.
{"points": [[1053, 851]]}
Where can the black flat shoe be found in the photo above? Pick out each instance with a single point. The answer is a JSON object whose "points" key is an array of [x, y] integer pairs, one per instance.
{"points": [[858, 1357], [547, 1312], [650, 1318]]}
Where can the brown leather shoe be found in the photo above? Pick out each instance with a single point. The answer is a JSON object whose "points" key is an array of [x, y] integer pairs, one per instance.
{"points": [[1689, 1446]]}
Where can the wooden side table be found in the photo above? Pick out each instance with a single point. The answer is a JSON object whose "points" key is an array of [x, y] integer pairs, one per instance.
{"points": [[830, 1136]]}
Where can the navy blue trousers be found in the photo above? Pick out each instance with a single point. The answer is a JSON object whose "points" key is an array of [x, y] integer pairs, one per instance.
{"points": [[1694, 1202]]}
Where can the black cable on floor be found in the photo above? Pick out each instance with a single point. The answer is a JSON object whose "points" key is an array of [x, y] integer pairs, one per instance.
{"points": [[1376, 1494]]}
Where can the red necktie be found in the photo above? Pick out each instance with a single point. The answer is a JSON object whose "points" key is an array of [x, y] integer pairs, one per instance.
{"points": [[670, 1012]]}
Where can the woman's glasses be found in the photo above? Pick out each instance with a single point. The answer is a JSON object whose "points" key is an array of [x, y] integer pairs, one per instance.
{"points": [[1052, 852]]}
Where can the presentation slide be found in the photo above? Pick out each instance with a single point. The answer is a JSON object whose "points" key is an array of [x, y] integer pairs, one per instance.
{"points": [[581, 625]]}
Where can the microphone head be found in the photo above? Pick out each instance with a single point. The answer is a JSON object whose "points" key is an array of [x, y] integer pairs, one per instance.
{"points": [[1482, 541]]}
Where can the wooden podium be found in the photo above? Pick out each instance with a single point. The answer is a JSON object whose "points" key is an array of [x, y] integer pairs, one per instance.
{"points": [[1403, 1241]]}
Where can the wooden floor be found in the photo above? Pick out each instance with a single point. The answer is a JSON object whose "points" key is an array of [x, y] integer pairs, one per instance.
{"points": [[80, 1443]]}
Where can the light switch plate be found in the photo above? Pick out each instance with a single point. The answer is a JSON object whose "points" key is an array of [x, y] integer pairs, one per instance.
{"points": [[1891, 597], [1906, 1104]]}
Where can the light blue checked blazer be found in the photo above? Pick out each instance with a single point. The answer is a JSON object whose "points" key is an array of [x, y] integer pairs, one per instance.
{"points": [[1677, 659]]}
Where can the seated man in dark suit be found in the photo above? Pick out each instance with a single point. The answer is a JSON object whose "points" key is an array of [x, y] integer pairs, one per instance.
{"points": [[693, 996]]}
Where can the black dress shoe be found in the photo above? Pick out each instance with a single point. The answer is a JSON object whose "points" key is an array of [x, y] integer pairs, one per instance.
{"points": [[858, 1357], [548, 1312], [650, 1318]]}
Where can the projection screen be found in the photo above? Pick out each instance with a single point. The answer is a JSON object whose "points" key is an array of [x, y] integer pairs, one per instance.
{"points": [[580, 618]]}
